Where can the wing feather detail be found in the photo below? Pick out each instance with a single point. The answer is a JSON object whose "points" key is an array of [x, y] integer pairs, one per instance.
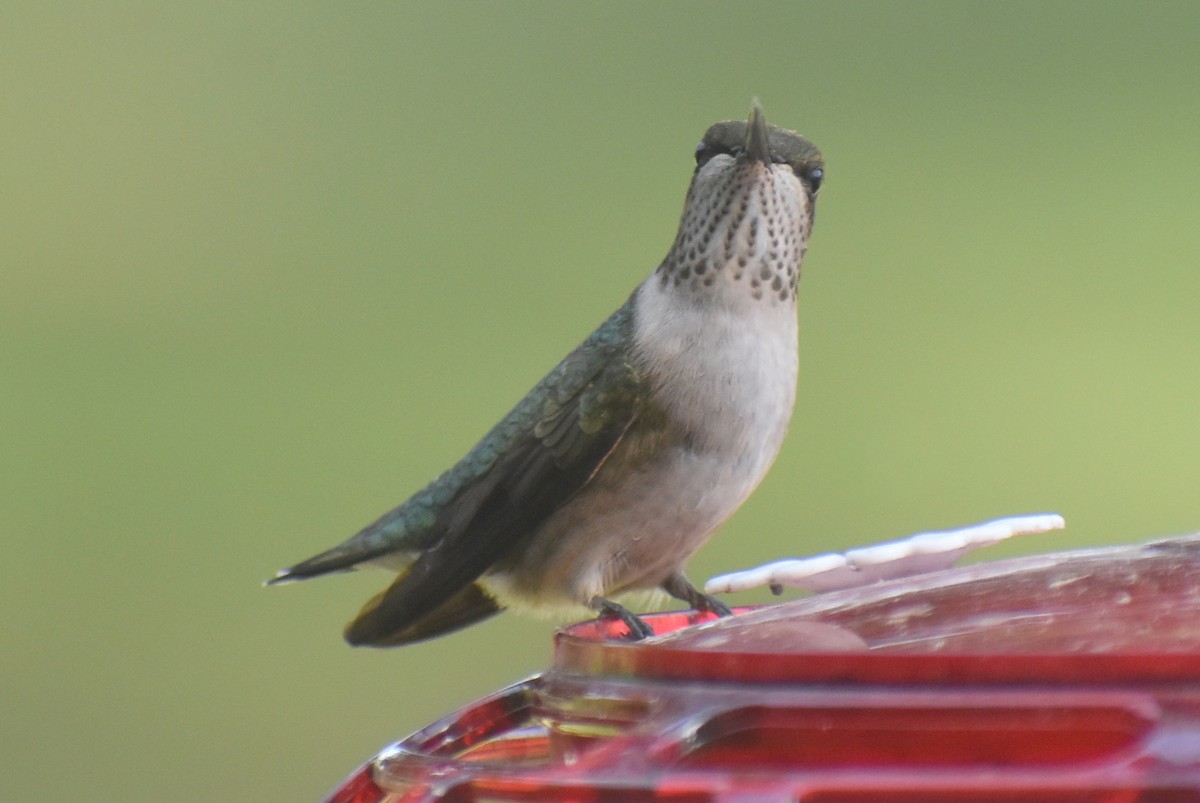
{"points": [[543, 453]]}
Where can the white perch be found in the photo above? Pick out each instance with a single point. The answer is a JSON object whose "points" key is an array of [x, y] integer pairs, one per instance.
{"points": [[916, 554]]}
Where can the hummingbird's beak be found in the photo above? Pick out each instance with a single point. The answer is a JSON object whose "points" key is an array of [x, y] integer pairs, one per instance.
{"points": [[758, 147]]}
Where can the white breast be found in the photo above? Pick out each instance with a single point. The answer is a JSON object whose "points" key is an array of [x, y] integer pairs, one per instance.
{"points": [[724, 368]]}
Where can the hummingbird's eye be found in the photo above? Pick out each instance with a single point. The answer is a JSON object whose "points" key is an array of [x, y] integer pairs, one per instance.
{"points": [[812, 176], [707, 150]]}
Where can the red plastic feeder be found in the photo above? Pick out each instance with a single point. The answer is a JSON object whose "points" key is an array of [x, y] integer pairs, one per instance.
{"points": [[1064, 677]]}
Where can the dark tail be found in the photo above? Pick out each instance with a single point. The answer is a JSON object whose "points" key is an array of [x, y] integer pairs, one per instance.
{"points": [[378, 625]]}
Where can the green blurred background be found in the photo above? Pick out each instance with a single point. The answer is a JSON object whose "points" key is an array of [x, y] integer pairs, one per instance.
{"points": [[269, 267]]}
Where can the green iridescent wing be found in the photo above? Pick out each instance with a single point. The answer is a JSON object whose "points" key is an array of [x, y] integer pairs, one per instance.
{"points": [[528, 466]]}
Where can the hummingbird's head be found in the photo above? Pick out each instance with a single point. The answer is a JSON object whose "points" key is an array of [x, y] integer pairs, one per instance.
{"points": [[748, 213]]}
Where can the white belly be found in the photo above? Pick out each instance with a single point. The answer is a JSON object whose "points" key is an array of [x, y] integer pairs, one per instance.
{"points": [[726, 381]]}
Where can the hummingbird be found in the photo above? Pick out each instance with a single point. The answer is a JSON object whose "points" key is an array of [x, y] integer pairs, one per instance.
{"points": [[627, 456]]}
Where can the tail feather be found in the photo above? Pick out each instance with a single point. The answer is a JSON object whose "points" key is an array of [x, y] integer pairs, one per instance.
{"points": [[379, 626]]}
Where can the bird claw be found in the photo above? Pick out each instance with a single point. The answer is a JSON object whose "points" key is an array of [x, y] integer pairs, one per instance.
{"points": [[714, 605], [607, 609], [679, 587]]}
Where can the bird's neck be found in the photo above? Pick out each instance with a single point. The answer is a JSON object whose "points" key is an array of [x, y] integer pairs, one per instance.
{"points": [[742, 243]]}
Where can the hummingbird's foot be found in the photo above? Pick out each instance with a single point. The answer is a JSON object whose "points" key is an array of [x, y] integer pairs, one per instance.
{"points": [[679, 587], [608, 609]]}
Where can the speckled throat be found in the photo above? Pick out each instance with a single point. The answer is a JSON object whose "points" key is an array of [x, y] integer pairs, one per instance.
{"points": [[744, 231]]}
